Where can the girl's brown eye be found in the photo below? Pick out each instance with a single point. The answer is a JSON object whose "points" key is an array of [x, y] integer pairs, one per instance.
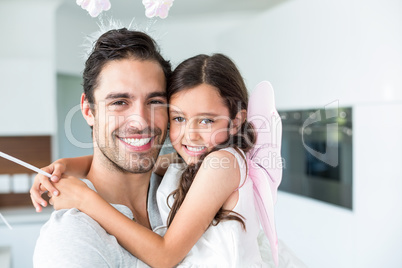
{"points": [[206, 121]]}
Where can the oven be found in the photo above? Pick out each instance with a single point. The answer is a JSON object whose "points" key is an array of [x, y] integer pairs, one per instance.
{"points": [[317, 154]]}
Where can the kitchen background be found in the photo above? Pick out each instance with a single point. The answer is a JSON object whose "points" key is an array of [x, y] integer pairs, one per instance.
{"points": [[314, 52]]}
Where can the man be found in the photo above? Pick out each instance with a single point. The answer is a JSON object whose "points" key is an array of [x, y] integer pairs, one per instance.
{"points": [[125, 103]]}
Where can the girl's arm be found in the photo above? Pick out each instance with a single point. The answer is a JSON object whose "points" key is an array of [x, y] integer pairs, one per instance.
{"points": [[215, 181], [164, 161], [78, 167]]}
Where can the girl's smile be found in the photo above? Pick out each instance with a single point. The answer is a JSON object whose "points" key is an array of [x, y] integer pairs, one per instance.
{"points": [[195, 150]]}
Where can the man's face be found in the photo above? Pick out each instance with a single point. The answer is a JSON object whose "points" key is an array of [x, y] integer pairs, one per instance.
{"points": [[130, 114]]}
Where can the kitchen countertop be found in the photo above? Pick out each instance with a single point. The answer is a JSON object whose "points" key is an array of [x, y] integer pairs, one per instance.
{"points": [[24, 215]]}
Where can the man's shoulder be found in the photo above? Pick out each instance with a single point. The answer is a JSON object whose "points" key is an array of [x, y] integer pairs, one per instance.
{"points": [[71, 220], [70, 236], [69, 224]]}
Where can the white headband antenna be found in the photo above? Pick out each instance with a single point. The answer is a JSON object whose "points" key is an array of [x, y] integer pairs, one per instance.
{"points": [[107, 24]]}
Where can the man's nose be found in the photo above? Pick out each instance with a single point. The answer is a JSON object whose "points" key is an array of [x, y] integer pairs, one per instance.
{"points": [[138, 118]]}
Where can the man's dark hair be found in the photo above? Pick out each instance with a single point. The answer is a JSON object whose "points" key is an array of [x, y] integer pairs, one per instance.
{"points": [[116, 45]]}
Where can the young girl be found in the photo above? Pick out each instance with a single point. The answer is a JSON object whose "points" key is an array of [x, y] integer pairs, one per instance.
{"points": [[208, 202]]}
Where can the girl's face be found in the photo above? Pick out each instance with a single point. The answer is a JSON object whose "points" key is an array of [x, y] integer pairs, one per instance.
{"points": [[199, 120]]}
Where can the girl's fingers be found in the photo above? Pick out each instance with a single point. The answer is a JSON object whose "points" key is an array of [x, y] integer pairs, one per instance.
{"points": [[58, 169], [36, 197], [47, 185], [37, 206], [41, 184]]}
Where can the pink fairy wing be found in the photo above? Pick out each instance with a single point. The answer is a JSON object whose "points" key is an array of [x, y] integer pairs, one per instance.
{"points": [[268, 125], [264, 206], [265, 165]]}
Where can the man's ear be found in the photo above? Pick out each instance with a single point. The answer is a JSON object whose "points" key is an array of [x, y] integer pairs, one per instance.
{"points": [[238, 121], [86, 110]]}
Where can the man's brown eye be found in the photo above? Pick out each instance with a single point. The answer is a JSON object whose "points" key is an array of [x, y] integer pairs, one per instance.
{"points": [[179, 119], [156, 102], [117, 103]]}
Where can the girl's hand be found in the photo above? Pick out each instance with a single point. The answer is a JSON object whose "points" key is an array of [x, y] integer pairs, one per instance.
{"points": [[77, 166], [42, 184], [73, 192]]}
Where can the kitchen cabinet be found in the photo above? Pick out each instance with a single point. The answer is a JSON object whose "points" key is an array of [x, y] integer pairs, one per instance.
{"points": [[18, 237]]}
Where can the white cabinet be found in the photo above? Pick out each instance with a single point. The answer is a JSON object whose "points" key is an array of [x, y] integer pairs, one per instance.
{"points": [[18, 236]]}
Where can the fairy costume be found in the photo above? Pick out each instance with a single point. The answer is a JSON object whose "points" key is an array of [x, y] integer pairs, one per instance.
{"points": [[227, 244]]}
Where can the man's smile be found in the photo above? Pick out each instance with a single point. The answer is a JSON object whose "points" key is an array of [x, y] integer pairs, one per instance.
{"points": [[138, 144]]}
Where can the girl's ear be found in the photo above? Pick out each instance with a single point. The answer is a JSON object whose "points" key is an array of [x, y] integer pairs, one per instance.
{"points": [[86, 110], [238, 121]]}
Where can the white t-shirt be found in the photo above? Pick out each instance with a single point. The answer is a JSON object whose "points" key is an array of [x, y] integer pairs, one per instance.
{"points": [[72, 239]]}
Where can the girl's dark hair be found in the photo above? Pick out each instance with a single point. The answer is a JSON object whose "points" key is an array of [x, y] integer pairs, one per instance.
{"points": [[220, 72], [116, 45]]}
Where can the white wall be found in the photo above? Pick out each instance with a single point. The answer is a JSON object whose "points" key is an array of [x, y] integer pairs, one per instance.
{"points": [[378, 185], [323, 50], [185, 37], [69, 38], [27, 72]]}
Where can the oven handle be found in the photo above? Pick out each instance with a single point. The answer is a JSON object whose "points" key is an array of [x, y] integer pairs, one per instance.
{"points": [[308, 130]]}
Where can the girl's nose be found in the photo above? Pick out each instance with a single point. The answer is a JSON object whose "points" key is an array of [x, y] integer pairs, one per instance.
{"points": [[192, 131], [193, 135]]}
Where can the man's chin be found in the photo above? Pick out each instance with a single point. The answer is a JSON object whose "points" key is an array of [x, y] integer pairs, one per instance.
{"points": [[141, 162]]}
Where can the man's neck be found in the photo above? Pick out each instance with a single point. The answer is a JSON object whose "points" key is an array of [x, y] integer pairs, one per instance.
{"points": [[117, 187]]}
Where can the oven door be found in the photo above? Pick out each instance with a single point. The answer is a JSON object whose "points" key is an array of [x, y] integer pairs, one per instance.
{"points": [[318, 161]]}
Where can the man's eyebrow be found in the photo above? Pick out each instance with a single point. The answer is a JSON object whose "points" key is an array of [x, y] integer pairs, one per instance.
{"points": [[155, 94], [130, 96], [118, 96]]}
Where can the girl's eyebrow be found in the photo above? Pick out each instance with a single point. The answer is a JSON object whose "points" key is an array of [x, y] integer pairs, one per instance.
{"points": [[197, 115], [175, 112], [208, 114]]}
